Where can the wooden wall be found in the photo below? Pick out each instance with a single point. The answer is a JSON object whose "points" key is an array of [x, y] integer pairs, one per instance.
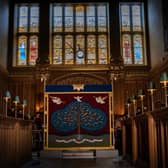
{"points": [[23, 85], [15, 142], [3, 87]]}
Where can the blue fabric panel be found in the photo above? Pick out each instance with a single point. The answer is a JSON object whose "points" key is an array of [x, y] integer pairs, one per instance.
{"points": [[87, 88]]}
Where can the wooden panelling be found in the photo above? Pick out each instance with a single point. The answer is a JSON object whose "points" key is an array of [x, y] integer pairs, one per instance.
{"points": [[3, 87], [119, 99], [151, 145], [15, 142]]}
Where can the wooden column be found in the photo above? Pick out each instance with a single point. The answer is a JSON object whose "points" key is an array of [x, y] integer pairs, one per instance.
{"points": [[166, 143], [152, 142], [44, 33], [163, 146], [123, 140], [134, 141]]}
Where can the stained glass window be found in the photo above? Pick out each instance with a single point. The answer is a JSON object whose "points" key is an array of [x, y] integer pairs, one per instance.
{"points": [[33, 50], [68, 19], [125, 17], [91, 49], [69, 54], [57, 19], [138, 50], [91, 20], [126, 46], [80, 34], [57, 50], [27, 44], [102, 25], [79, 19], [80, 47], [136, 18], [22, 50], [132, 33], [23, 19], [34, 19], [102, 45]]}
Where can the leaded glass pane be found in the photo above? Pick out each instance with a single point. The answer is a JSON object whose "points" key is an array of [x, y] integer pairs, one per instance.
{"points": [[101, 12], [23, 19], [34, 19], [126, 47], [68, 19], [132, 40], [138, 51], [69, 53], [102, 49], [22, 51], [80, 47], [33, 50], [27, 34], [57, 19], [57, 52], [79, 19], [125, 18], [136, 18], [91, 21], [91, 49]]}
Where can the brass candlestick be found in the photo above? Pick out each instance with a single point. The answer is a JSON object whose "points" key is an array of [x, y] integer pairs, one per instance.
{"points": [[151, 89], [6, 98], [141, 94], [164, 81]]}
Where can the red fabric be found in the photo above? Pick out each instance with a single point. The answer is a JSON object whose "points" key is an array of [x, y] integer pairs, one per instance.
{"points": [[67, 98]]}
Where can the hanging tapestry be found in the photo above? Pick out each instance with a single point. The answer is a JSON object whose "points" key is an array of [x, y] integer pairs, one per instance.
{"points": [[78, 116]]}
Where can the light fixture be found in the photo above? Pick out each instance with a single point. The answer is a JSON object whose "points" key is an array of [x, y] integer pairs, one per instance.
{"points": [[151, 89], [141, 94], [23, 105], [164, 81], [6, 98], [128, 105], [16, 101], [134, 100]]}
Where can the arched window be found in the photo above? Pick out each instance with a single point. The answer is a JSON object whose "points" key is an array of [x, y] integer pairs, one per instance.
{"points": [[80, 34], [132, 33], [27, 35]]}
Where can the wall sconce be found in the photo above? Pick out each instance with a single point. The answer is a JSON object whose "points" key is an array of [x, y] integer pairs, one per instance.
{"points": [[128, 105], [6, 98], [151, 89], [164, 81], [16, 101], [141, 94], [23, 106]]}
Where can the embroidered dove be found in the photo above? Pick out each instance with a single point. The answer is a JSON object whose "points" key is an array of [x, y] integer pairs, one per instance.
{"points": [[100, 99], [56, 100], [78, 98]]}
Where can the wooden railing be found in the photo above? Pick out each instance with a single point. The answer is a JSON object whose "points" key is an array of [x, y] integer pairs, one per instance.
{"points": [[15, 141]]}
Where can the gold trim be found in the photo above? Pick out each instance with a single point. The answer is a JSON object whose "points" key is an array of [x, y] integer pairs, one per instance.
{"points": [[78, 87], [111, 130], [79, 148]]}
